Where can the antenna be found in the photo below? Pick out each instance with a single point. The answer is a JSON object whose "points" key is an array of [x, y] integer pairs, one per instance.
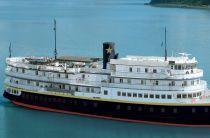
{"points": [[55, 50], [165, 45], [10, 50]]}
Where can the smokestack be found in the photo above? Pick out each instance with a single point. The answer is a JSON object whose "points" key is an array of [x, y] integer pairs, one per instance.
{"points": [[108, 53]]}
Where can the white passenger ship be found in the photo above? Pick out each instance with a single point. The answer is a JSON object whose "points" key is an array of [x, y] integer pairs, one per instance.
{"points": [[134, 88]]}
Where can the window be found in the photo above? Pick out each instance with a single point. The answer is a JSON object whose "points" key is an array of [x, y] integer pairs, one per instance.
{"points": [[184, 83], [176, 67], [59, 75], [121, 80], [129, 80], [151, 96], [92, 90], [28, 81], [76, 88], [151, 109], [118, 93], [118, 107], [192, 82], [139, 108], [194, 94], [154, 70], [163, 96], [190, 95], [134, 94], [179, 67], [23, 70], [130, 69], [87, 89], [173, 83], [129, 94], [66, 76], [146, 70], [37, 83], [156, 82], [199, 94], [157, 96], [206, 110], [143, 82], [140, 95], [179, 96], [95, 104], [36, 72], [169, 96], [145, 95], [16, 69], [193, 110], [175, 110], [172, 67], [105, 92], [184, 95], [162, 110], [138, 70], [123, 93], [129, 108]]}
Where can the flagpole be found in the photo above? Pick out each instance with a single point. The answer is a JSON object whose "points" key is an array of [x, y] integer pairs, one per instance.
{"points": [[55, 48], [10, 50], [165, 45]]}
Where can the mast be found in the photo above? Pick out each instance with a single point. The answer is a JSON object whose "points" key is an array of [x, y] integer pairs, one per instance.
{"points": [[165, 45], [10, 50], [55, 48]]}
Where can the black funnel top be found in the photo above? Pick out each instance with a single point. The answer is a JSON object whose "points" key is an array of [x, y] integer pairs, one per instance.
{"points": [[108, 53]]}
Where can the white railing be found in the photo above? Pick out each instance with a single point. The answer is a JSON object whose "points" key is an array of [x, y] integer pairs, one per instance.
{"points": [[197, 73], [200, 87], [78, 81]]}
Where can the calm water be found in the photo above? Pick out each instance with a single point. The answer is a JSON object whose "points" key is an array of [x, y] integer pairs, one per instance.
{"points": [[82, 27]]}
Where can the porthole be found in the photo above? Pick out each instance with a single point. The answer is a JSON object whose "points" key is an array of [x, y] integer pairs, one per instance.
{"points": [[175, 110], [118, 107], [129, 108], [139, 108], [206, 110], [162, 110], [95, 104], [193, 110]]}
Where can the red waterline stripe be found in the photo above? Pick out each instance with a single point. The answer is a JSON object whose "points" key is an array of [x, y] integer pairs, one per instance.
{"points": [[103, 117]]}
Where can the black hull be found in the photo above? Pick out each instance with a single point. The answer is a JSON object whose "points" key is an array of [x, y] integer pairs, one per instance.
{"points": [[171, 115]]}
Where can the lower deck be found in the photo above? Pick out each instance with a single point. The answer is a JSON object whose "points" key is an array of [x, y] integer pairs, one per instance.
{"points": [[180, 115]]}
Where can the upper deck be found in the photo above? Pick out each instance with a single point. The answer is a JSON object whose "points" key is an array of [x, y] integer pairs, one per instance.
{"points": [[155, 61]]}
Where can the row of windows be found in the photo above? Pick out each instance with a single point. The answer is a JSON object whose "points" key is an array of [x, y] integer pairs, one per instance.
{"points": [[145, 95], [158, 96], [13, 91], [43, 73], [94, 104], [146, 70], [176, 67], [62, 86], [156, 82], [190, 95]]}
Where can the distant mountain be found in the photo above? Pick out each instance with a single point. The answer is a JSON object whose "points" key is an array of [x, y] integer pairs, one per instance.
{"points": [[182, 2]]}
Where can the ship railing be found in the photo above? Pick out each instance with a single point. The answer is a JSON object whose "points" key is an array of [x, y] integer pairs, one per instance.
{"points": [[52, 79], [201, 86], [161, 75], [40, 89], [140, 75]]}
